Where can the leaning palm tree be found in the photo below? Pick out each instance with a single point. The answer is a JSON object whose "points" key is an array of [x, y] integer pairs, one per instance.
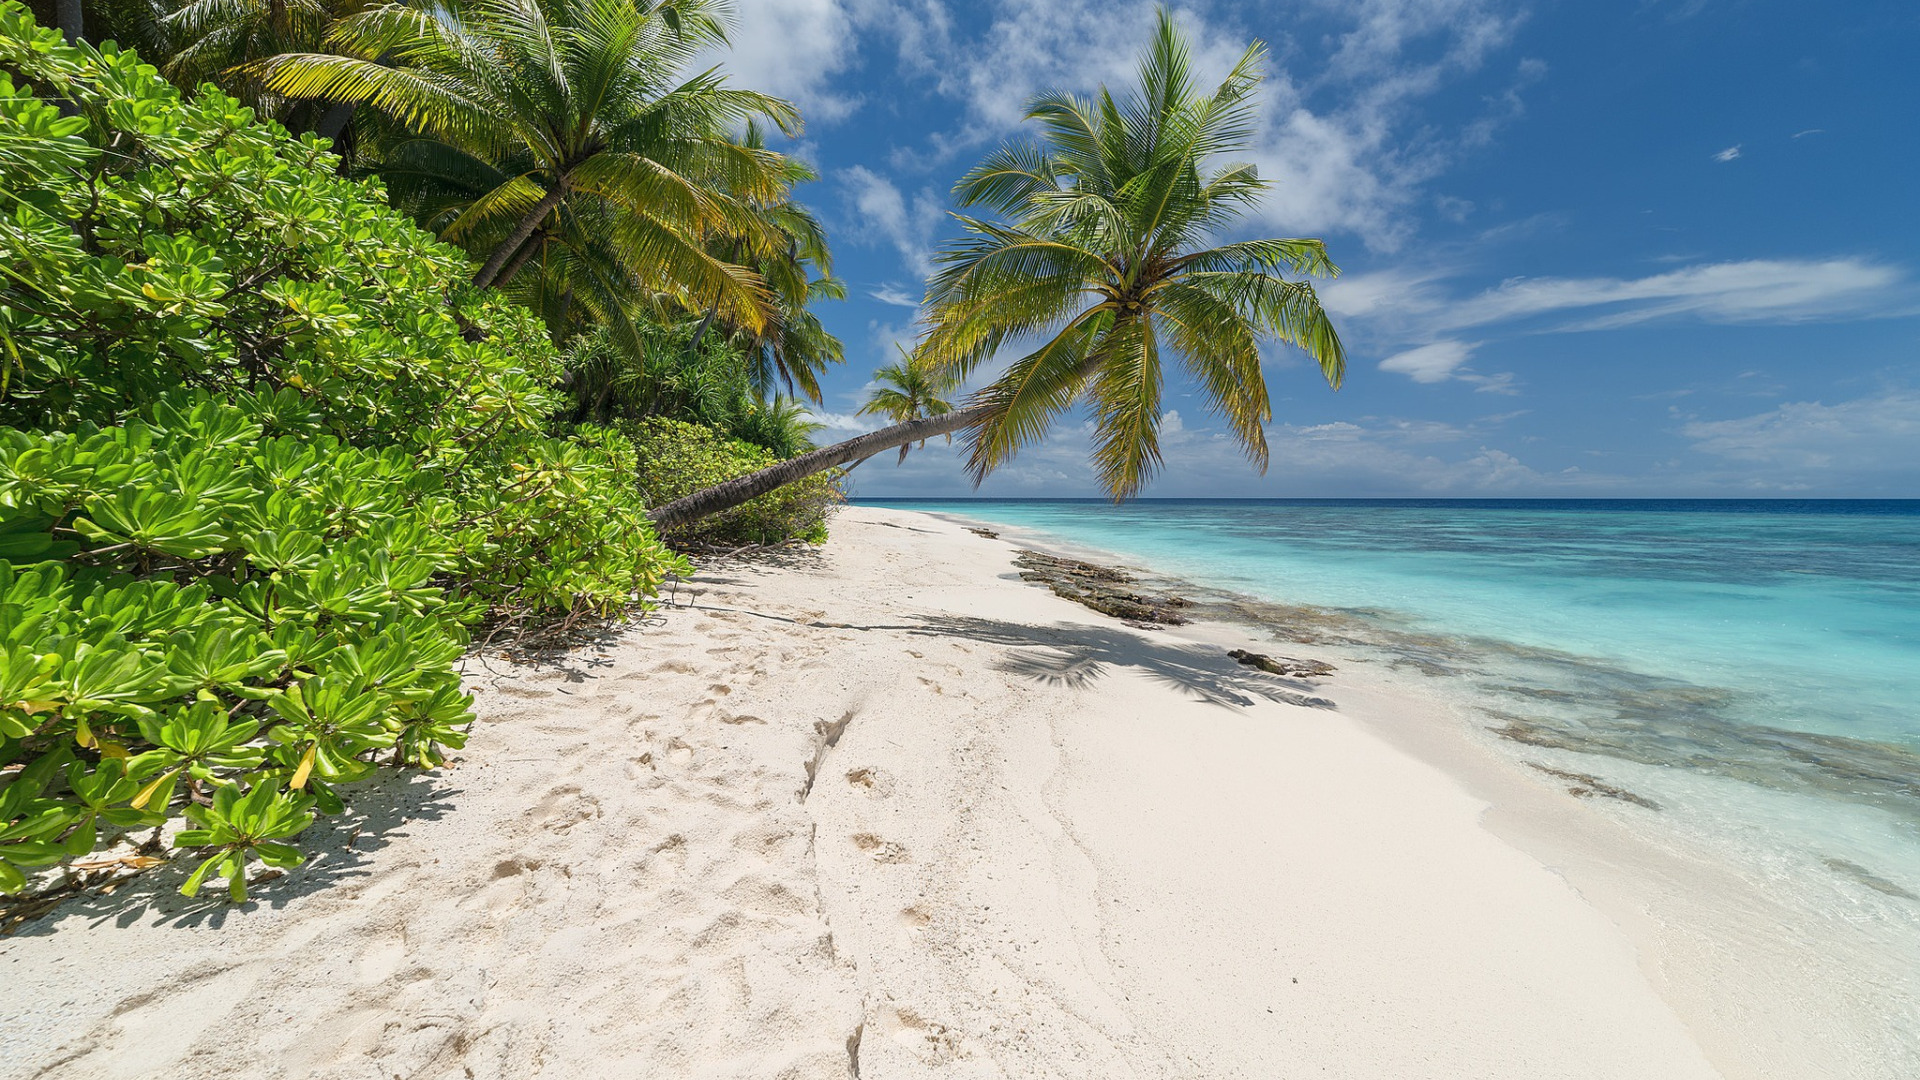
{"points": [[1101, 265], [576, 110], [909, 390]]}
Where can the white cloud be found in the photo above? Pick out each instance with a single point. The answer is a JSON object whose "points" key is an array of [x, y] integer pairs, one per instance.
{"points": [[792, 49], [893, 294], [844, 425], [1435, 363], [1408, 306], [1729, 154], [1875, 438], [881, 211], [1339, 131], [1753, 291], [1445, 361], [1340, 134]]}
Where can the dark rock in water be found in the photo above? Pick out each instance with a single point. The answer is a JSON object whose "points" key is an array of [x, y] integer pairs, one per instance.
{"points": [[1102, 588], [1586, 786], [1868, 878], [1281, 665], [988, 533]]}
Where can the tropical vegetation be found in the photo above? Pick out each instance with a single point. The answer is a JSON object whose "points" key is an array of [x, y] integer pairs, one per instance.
{"points": [[265, 456], [342, 329]]}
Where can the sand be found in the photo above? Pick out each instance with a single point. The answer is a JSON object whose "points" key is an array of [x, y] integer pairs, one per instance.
{"points": [[883, 810]]}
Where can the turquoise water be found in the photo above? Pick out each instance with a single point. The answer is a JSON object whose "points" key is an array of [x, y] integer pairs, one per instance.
{"points": [[1765, 645]]}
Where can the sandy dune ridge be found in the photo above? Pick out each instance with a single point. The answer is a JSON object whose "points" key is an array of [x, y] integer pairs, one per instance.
{"points": [[882, 811]]}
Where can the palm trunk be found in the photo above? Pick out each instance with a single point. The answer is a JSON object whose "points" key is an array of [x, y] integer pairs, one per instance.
{"points": [[731, 493], [72, 19], [334, 120], [498, 260], [513, 268], [693, 347]]}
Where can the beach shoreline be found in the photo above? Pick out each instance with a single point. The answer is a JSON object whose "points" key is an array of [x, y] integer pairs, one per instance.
{"points": [[1771, 980], [885, 809]]}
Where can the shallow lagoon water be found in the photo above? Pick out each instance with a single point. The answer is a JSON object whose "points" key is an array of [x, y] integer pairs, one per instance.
{"points": [[1753, 664]]}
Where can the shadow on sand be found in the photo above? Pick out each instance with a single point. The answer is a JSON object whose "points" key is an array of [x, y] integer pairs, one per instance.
{"points": [[1074, 656], [338, 850]]}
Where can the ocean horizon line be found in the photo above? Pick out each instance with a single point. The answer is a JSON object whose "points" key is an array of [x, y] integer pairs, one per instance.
{"points": [[1912, 504]]}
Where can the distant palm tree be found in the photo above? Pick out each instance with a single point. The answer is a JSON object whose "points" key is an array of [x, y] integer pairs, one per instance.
{"points": [[909, 390], [570, 122], [793, 347], [1102, 255]]}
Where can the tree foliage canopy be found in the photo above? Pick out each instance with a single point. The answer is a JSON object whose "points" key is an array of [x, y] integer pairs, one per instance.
{"points": [[566, 131], [1100, 251]]}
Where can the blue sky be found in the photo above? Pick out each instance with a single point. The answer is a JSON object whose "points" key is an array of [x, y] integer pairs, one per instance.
{"points": [[1619, 248]]}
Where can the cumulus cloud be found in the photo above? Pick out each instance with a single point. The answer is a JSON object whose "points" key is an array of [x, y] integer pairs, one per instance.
{"points": [[1872, 439], [1433, 363], [1339, 130], [880, 210], [793, 49]]}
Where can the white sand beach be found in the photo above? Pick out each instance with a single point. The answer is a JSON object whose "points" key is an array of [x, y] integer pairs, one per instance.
{"points": [[880, 810]]}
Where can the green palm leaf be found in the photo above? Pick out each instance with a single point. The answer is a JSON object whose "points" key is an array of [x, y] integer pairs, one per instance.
{"points": [[1103, 259]]}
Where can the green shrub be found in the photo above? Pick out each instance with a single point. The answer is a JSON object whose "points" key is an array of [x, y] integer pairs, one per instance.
{"points": [[264, 456], [678, 458]]}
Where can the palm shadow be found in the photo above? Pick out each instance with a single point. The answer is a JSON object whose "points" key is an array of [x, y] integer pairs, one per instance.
{"points": [[1075, 656]]}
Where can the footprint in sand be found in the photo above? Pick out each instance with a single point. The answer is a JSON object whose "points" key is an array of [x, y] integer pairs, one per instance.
{"points": [[668, 859], [869, 781], [880, 851], [933, 1041], [913, 923], [565, 807], [380, 960], [521, 690]]}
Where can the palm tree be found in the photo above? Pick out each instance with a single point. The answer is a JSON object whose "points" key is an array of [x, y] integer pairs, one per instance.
{"points": [[574, 123], [219, 41], [909, 390], [1101, 254], [793, 346]]}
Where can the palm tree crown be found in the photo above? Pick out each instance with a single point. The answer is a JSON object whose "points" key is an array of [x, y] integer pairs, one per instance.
{"points": [[1100, 252], [909, 390], [569, 121]]}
